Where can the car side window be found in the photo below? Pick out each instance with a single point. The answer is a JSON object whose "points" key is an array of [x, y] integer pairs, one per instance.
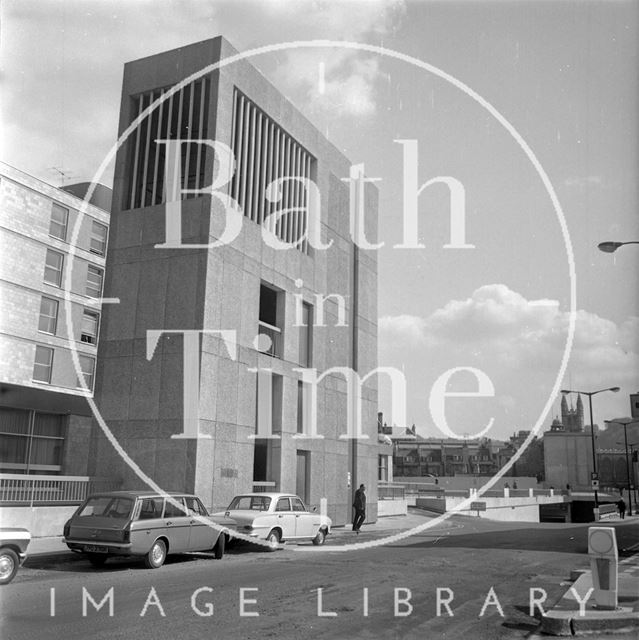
{"points": [[170, 511], [194, 506], [298, 505], [282, 505], [150, 508]]}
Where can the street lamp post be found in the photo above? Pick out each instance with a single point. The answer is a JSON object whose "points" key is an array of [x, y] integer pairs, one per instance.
{"points": [[592, 427], [633, 474], [625, 422], [610, 247]]}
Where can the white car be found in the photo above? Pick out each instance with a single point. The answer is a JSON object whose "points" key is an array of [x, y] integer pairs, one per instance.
{"points": [[276, 517]]}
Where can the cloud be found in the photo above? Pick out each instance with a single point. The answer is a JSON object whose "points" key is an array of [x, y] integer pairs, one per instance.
{"points": [[63, 96], [583, 182], [519, 344], [350, 75], [403, 328]]}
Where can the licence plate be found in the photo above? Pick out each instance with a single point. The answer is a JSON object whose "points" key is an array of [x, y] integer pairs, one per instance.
{"points": [[95, 549]]}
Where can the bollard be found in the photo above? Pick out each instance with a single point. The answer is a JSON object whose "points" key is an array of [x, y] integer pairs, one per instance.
{"points": [[531, 493], [604, 557]]}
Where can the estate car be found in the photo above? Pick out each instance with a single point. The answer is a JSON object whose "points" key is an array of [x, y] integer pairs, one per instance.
{"points": [[276, 517], [144, 525]]}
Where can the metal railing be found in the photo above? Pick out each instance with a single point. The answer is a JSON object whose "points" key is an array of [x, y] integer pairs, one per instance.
{"points": [[19, 489], [607, 511], [270, 339], [390, 491], [264, 487]]}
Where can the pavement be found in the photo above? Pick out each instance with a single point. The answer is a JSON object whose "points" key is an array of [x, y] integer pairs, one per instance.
{"points": [[564, 618], [339, 535]]}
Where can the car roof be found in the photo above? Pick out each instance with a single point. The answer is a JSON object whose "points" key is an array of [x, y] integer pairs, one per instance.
{"points": [[260, 494], [140, 494]]}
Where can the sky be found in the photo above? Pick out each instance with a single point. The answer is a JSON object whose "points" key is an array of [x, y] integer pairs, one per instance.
{"points": [[562, 74]]}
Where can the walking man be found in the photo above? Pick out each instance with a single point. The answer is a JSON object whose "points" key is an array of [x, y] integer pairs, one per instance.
{"points": [[621, 505], [359, 504]]}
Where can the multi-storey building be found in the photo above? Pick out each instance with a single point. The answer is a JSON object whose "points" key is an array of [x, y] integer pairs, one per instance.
{"points": [[414, 455], [305, 306], [51, 275]]}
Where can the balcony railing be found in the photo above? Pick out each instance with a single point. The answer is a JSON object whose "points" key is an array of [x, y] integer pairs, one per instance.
{"points": [[18, 489], [264, 486], [269, 339], [390, 491]]}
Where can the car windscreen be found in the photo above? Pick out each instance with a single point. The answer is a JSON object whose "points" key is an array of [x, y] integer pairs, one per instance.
{"points": [[250, 503], [107, 507]]}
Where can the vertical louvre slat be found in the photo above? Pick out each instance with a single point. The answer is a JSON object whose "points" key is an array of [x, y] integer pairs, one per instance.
{"points": [[136, 155], [263, 167], [166, 195], [298, 191], [245, 149], [200, 133], [257, 164], [269, 168], [289, 192], [189, 126], [157, 152], [251, 164], [145, 157], [307, 204], [238, 115], [176, 175], [294, 192], [276, 176]]}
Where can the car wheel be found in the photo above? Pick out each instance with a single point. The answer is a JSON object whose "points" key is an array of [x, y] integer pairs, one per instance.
{"points": [[218, 549], [273, 540], [9, 564], [319, 539], [97, 559], [155, 558]]}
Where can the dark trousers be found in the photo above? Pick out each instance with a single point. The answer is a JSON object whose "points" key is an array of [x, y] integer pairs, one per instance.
{"points": [[358, 520]]}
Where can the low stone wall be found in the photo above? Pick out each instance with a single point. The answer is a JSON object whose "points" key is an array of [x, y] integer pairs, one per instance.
{"points": [[438, 505], [504, 509], [40, 521], [391, 508]]}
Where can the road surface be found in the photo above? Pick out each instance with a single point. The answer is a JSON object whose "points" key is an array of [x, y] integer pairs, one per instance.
{"points": [[302, 592]]}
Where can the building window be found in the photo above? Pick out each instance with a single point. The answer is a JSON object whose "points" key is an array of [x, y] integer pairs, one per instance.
{"points": [[264, 154], [48, 315], [53, 268], [271, 321], [304, 408], [31, 442], [87, 366], [59, 221], [268, 422], [300, 406], [306, 336], [97, 243], [90, 322], [382, 469], [269, 404], [43, 364], [94, 281], [183, 116]]}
